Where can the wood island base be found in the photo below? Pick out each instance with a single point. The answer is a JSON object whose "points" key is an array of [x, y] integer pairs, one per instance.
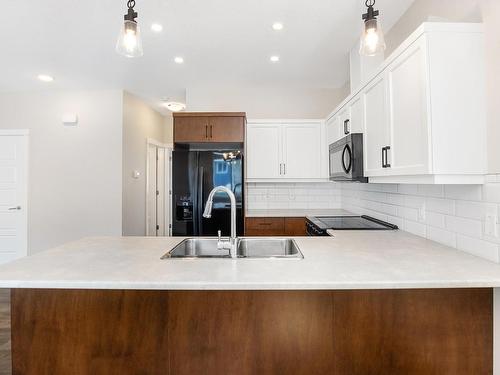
{"points": [[421, 331]]}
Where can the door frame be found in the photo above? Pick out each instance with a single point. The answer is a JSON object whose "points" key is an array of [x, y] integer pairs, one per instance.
{"points": [[168, 147], [27, 199]]}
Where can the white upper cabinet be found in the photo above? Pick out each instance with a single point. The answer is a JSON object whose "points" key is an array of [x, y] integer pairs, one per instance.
{"points": [[408, 112], [263, 151], [301, 151], [333, 128], [357, 118], [284, 150], [376, 137], [423, 112]]}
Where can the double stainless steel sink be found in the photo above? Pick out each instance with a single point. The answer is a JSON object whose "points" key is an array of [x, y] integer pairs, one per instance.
{"points": [[283, 248]]}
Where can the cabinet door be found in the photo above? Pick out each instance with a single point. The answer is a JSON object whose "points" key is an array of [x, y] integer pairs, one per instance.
{"points": [[376, 126], [295, 226], [356, 122], [264, 226], [227, 129], [191, 129], [333, 130], [408, 114], [263, 151], [302, 150]]}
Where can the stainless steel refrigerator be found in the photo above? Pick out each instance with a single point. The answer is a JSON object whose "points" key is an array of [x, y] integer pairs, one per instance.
{"points": [[194, 174]]}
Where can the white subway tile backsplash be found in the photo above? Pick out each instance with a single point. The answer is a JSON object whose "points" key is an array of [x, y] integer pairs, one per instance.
{"points": [[435, 219], [478, 247], [468, 227], [463, 192], [292, 195], [474, 210], [453, 215], [415, 228], [436, 191], [491, 193], [443, 206], [442, 236]]}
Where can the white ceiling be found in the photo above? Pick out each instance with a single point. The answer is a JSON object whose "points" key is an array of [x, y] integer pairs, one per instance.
{"points": [[223, 42]]}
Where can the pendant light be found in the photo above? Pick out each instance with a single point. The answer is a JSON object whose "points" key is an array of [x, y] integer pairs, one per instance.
{"points": [[129, 42], [372, 38]]}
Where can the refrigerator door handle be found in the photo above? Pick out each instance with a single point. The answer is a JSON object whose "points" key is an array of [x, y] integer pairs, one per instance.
{"points": [[200, 204]]}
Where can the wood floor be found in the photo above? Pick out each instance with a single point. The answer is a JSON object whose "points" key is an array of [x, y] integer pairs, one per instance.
{"points": [[5, 354]]}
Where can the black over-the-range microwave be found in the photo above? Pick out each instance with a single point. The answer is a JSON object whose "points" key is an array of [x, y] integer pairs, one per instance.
{"points": [[346, 159]]}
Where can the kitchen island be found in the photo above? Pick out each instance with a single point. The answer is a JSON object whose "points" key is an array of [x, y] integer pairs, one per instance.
{"points": [[358, 303]]}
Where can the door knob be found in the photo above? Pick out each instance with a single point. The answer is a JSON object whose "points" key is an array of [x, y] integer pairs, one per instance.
{"points": [[15, 208]]}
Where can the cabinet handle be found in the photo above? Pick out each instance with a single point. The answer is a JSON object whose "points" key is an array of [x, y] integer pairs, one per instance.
{"points": [[284, 168], [211, 128], [385, 163], [206, 131], [281, 169], [346, 127]]}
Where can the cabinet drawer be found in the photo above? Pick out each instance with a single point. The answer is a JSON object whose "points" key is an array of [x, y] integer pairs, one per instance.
{"points": [[265, 223], [295, 226]]}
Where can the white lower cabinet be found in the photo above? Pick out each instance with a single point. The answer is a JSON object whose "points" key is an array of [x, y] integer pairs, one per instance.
{"points": [[284, 150]]}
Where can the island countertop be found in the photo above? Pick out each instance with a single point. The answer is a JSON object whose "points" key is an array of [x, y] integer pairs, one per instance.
{"points": [[350, 260]]}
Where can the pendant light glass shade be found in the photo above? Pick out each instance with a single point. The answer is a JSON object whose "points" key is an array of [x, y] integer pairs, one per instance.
{"points": [[372, 39], [129, 41]]}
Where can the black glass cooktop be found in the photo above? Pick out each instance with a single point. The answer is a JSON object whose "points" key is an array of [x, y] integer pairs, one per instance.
{"points": [[350, 223]]}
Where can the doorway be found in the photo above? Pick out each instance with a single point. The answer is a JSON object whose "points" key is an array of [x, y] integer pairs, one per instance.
{"points": [[158, 187], [13, 194]]}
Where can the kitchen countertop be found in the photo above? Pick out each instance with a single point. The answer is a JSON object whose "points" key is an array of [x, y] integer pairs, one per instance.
{"points": [[349, 260], [297, 213]]}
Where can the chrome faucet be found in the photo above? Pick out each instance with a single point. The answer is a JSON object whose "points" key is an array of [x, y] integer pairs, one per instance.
{"points": [[232, 244]]}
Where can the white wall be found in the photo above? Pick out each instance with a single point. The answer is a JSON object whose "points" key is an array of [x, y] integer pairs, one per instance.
{"points": [[75, 172], [263, 102], [140, 122]]}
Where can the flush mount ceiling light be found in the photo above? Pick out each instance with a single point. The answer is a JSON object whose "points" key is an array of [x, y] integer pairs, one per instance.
{"points": [[175, 106], [129, 42], [277, 26], [157, 28], [274, 59], [45, 78], [372, 39], [179, 60]]}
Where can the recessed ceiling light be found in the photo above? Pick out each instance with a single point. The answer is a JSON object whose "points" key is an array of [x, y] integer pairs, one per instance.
{"points": [[179, 60], [157, 28], [277, 26], [274, 59], [175, 106], [45, 78]]}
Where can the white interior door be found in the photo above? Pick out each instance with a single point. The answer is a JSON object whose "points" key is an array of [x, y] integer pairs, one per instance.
{"points": [[13, 197], [160, 196], [158, 191], [151, 191]]}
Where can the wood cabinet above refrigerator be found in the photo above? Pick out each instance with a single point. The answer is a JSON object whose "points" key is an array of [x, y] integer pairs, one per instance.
{"points": [[201, 127]]}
